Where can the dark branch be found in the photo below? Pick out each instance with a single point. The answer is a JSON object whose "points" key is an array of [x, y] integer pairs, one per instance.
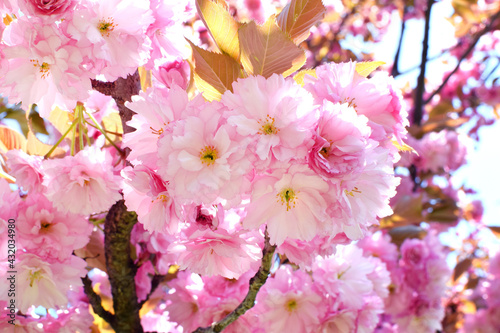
{"points": [[419, 95], [464, 55], [255, 284], [95, 301], [121, 268], [122, 91], [395, 68]]}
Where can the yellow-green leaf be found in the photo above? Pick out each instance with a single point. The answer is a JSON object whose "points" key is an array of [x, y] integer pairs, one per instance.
{"points": [[10, 139], [214, 73], [266, 50], [299, 77], [61, 119], [404, 147], [36, 147], [221, 25], [365, 68], [299, 16], [399, 234], [145, 78]]}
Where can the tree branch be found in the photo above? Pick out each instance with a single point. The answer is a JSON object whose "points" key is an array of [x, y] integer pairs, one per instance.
{"points": [[121, 268], [395, 69], [122, 91], [464, 55], [95, 301], [419, 95], [255, 284]]}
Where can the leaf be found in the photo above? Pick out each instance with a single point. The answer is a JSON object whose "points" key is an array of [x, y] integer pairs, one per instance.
{"points": [[461, 267], [145, 78], [113, 123], [299, 77], [404, 147], [222, 26], [93, 252], [400, 234], [495, 229], [36, 147], [266, 50], [61, 119], [299, 16], [6, 176], [214, 73], [367, 67], [10, 139]]}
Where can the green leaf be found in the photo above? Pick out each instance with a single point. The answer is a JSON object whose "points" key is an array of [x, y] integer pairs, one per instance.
{"points": [[266, 50], [299, 16], [366, 68], [214, 73], [221, 25]]}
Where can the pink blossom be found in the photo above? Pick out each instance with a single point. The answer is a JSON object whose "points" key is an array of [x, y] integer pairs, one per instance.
{"points": [[217, 252], [147, 194], [156, 111], [143, 280], [303, 253], [27, 169], [375, 98], [291, 202], [113, 34], [51, 233], [275, 113], [45, 67], [176, 72], [341, 142], [54, 8], [45, 283], [203, 158], [287, 303], [82, 184]]}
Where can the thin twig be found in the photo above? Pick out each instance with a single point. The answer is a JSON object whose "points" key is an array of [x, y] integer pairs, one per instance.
{"points": [[419, 95], [464, 55], [395, 69], [255, 284], [95, 301]]}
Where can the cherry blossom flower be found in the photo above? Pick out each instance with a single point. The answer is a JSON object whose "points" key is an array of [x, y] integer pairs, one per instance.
{"points": [[27, 169], [203, 158], [293, 203], [53, 8], [45, 282], [217, 252], [276, 113], [341, 142], [82, 184], [147, 194], [114, 33], [155, 110], [51, 233], [45, 67]]}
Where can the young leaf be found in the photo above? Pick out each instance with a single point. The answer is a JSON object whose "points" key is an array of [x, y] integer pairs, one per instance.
{"points": [[214, 73], [61, 119], [10, 139], [266, 50], [365, 68], [36, 147], [299, 77], [221, 25], [299, 16]]}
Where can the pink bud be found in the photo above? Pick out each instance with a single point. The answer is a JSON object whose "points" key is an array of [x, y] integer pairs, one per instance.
{"points": [[176, 72]]}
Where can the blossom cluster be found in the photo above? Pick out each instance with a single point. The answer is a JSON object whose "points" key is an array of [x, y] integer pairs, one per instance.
{"points": [[313, 164], [53, 49]]}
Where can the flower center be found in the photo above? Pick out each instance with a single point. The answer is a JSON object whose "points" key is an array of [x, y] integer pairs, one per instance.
{"points": [[208, 155], [106, 26], [267, 126], [157, 132], [287, 196], [44, 226], [291, 305], [350, 102], [44, 68], [35, 277], [162, 197], [351, 192]]}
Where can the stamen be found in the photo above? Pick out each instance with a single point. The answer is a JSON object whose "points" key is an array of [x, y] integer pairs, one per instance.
{"points": [[286, 196], [106, 26], [267, 126], [208, 155]]}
